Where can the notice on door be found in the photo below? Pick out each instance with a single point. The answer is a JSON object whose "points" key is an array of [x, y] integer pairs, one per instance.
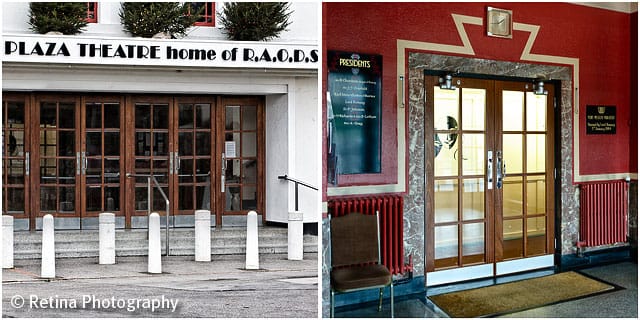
{"points": [[353, 113], [230, 149], [601, 119]]}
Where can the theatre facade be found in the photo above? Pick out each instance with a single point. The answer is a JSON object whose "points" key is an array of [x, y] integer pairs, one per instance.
{"points": [[87, 119], [496, 140]]}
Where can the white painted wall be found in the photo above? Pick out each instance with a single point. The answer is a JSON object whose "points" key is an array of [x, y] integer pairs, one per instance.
{"points": [[277, 155], [303, 28], [292, 126], [78, 78], [292, 141], [306, 156]]}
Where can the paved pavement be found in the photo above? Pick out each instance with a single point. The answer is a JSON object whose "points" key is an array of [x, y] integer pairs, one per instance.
{"points": [[221, 288]]}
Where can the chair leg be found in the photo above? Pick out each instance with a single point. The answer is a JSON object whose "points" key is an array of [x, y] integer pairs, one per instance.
{"points": [[391, 289], [332, 302], [380, 300]]}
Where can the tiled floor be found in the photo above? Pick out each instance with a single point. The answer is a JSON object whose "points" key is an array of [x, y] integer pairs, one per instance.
{"points": [[617, 304]]}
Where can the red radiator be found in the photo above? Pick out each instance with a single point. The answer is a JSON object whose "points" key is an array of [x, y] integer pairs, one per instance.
{"points": [[603, 213], [391, 225]]}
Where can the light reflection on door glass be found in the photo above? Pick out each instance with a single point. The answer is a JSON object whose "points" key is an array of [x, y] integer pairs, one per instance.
{"points": [[473, 109], [512, 110]]}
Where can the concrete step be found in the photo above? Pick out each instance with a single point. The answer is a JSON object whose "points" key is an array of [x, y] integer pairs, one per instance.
{"points": [[85, 243], [66, 235]]}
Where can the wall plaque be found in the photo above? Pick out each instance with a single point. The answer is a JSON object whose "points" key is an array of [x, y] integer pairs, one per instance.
{"points": [[601, 119], [353, 113]]}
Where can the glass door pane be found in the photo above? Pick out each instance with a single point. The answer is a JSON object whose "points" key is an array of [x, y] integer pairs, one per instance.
{"points": [[512, 105], [473, 243], [473, 157], [194, 157], [101, 157], [525, 143], [241, 158], [459, 158], [58, 157], [538, 147], [446, 246], [240, 148], [14, 151], [512, 239], [151, 152], [446, 125]]}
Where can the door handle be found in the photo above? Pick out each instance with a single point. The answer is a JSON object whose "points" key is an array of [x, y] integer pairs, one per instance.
{"points": [[504, 169], [499, 170], [176, 162], [84, 163], [171, 162], [224, 169], [489, 169], [224, 162], [27, 161], [78, 163]]}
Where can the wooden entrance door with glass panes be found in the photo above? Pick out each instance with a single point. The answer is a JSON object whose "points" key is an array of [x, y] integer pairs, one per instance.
{"points": [[489, 162], [240, 145], [16, 151], [171, 142], [203, 152], [76, 156]]}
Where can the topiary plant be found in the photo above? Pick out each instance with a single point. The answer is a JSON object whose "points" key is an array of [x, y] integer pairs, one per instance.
{"points": [[254, 21], [65, 17], [146, 19]]}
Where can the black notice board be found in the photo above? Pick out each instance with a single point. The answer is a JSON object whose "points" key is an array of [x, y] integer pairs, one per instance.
{"points": [[353, 113], [601, 119]]}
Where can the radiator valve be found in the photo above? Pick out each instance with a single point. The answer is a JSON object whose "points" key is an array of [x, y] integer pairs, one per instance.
{"points": [[580, 247]]}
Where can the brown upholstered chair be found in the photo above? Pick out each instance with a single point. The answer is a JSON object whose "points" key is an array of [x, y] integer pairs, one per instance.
{"points": [[355, 257]]}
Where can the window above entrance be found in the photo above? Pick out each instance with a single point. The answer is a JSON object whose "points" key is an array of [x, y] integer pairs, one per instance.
{"points": [[92, 12], [207, 15]]}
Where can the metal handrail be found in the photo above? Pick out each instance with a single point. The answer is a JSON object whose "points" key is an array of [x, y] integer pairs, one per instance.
{"points": [[197, 175], [152, 178], [297, 182]]}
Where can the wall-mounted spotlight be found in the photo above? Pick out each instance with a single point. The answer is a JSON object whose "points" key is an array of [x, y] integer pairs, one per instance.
{"points": [[446, 82], [538, 88]]}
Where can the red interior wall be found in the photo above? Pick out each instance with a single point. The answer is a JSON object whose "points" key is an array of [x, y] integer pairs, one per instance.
{"points": [[599, 38], [633, 137]]}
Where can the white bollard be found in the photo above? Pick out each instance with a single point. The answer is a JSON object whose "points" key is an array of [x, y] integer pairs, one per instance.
{"points": [[203, 235], [295, 249], [7, 242], [252, 259], [155, 250], [107, 237], [48, 269]]}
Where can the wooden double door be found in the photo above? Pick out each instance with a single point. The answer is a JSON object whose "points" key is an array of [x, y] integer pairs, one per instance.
{"points": [[75, 156], [489, 148]]}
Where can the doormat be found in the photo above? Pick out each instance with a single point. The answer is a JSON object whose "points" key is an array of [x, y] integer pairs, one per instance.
{"points": [[519, 295]]}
